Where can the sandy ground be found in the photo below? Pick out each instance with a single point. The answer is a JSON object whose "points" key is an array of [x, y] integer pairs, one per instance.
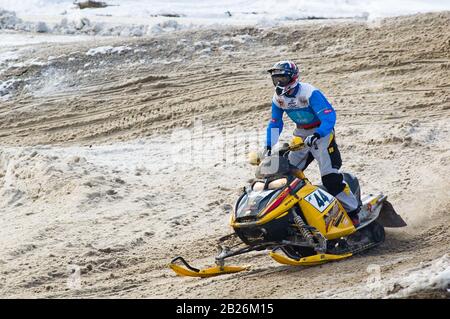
{"points": [[113, 163]]}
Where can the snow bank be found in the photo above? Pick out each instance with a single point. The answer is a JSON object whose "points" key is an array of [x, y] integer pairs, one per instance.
{"points": [[230, 9], [434, 276], [138, 18], [8, 56], [8, 19]]}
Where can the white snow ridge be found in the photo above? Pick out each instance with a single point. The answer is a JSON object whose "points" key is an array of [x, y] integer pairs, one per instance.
{"points": [[108, 50], [138, 18], [426, 277]]}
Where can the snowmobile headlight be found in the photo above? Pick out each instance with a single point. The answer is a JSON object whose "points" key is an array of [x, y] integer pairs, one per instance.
{"points": [[280, 182], [258, 186]]}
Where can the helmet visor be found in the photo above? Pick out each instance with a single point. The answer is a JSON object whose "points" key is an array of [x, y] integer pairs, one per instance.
{"points": [[281, 79]]}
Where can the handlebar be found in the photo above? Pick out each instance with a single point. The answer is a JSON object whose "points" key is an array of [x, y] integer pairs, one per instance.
{"points": [[296, 144]]}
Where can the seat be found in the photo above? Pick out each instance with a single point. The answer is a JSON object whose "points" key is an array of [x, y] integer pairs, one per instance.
{"points": [[353, 183]]}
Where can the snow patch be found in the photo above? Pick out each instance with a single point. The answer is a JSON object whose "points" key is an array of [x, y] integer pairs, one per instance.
{"points": [[227, 47], [31, 62], [425, 277], [41, 27], [8, 56], [51, 82], [108, 50], [166, 26], [8, 19], [8, 87], [132, 18]]}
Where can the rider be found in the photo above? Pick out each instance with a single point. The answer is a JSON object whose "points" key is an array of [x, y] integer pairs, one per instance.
{"points": [[315, 119]]}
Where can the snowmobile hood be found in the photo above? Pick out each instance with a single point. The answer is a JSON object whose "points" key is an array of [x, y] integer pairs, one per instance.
{"points": [[253, 202]]}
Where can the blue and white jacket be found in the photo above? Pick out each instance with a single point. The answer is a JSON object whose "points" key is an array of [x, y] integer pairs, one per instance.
{"points": [[307, 107]]}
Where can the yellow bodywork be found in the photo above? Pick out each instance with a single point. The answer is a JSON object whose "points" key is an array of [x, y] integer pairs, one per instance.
{"points": [[338, 225], [307, 261], [207, 272], [296, 143], [254, 158]]}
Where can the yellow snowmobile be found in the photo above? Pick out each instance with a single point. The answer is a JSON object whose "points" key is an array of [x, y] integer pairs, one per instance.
{"points": [[299, 223]]}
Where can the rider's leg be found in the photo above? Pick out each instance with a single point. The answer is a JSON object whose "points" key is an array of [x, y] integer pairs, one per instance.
{"points": [[329, 159], [300, 159], [336, 186]]}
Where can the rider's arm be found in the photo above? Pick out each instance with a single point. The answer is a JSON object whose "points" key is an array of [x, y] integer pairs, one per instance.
{"points": [[275, 125], [324, 112]]}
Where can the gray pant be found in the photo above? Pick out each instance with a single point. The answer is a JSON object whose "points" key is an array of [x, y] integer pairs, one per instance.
{"points": [[329, 160]]}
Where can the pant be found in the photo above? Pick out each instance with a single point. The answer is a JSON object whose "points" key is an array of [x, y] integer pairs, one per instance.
{"points": [[329, 159]]}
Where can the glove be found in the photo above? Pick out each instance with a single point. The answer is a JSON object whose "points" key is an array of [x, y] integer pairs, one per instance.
{"points": [[312, 140]]}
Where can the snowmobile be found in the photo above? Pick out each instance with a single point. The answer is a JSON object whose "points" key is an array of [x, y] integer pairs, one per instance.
{"points": [[299, 223]]}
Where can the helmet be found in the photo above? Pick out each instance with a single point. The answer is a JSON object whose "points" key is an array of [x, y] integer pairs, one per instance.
{"points": [[284, 76]]}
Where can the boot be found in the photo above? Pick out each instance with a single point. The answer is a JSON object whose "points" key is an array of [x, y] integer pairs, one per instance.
{"points": [[354, 216]]}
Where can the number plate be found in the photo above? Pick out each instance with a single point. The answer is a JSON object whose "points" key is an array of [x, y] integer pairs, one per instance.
{"points": [[319, 199]]}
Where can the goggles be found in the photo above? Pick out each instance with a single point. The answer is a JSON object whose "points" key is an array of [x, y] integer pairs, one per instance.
{"points": [[281, 79]]}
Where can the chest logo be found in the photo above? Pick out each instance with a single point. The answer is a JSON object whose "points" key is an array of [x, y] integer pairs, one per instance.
{"points": [[303, 101], [292, 103]]}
